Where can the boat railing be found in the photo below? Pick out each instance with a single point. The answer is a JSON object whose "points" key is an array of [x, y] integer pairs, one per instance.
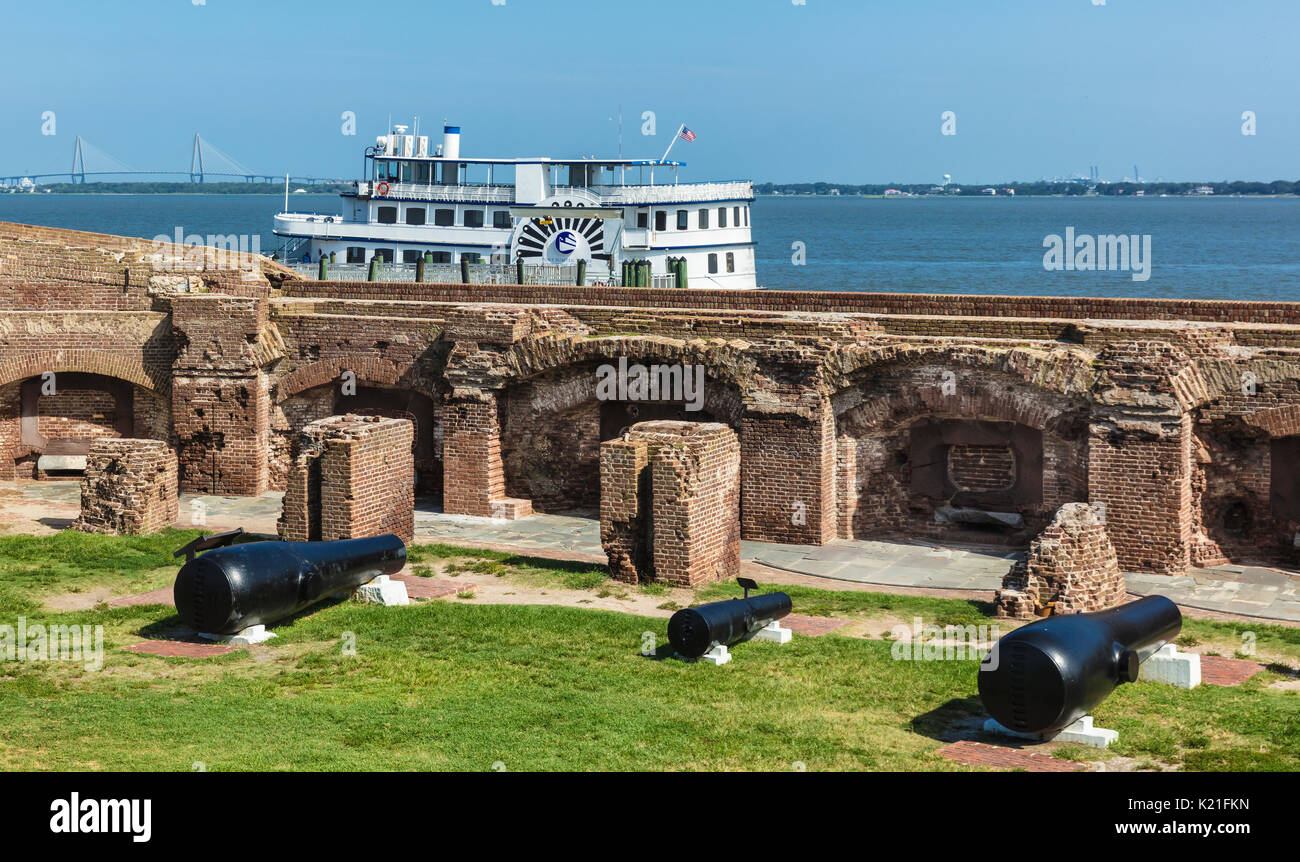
{"points": [[642, 194], [479, 273], [432, 192]]}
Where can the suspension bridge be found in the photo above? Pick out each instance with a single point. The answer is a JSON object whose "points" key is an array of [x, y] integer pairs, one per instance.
{"points": [[206, 161]]}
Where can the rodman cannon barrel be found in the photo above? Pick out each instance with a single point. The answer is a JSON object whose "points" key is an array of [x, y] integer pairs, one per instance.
{"points": [[1047, 675], [229, 589], [693, 631]]}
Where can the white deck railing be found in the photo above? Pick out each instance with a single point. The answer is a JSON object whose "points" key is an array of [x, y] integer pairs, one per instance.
{"points": [[637, 195]]}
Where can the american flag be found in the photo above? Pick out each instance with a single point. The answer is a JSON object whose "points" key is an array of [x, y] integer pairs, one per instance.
{"points": [[687, 135]]}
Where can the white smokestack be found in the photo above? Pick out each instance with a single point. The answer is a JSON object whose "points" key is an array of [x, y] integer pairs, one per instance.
{"points": [[451, 142]]}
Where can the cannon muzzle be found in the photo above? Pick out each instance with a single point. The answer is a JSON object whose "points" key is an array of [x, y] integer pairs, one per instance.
{"points": [[692, 631], [229, 589], [1049, 674]]}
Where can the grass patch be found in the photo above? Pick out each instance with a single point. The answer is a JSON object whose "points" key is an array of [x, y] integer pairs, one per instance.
{"points": [[523, 569], [33, 567], [847, 603], [446, 685]]}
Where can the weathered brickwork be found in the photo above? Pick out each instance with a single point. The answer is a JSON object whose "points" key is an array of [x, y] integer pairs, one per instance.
{"points": [[625, 509], [670, 503], [353, 477], [1071, 568], [129, 487], [968, 418]]}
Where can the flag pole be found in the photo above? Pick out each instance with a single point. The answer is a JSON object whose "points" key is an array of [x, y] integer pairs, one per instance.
{"points": [[676, 134]]}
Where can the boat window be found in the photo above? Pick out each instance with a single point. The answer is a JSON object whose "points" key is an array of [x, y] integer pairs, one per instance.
{"points": [[682, 219], [356, 254], [642, 219], [444, 218], [410, 255], [388, 215], [473, 218], [471, 256], [661, 219], [731, 261], [735, 216], [501, 218], [704, 219], [442, 257], [713, 263], [415, 215], [722, 216], [746, 216], [384, 254]]}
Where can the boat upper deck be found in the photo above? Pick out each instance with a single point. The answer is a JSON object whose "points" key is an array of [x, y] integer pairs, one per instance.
{"points": [[594, 195]]}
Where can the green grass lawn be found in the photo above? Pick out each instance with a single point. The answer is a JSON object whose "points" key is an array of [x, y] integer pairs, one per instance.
{"points": [[450, 685]]}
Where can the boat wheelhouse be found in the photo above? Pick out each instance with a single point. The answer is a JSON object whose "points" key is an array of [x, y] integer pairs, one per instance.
{"points": [[593, 215]]}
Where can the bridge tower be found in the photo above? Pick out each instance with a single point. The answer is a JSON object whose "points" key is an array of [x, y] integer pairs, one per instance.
{"points": [[196, 160], [78, 172]]}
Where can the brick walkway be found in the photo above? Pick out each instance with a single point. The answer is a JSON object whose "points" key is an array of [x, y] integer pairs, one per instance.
{"points": [[983, 754], [181, 649], [1219, 670]]}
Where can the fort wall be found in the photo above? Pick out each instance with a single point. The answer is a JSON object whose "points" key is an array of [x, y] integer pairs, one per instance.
{"points": [[938, 416]]}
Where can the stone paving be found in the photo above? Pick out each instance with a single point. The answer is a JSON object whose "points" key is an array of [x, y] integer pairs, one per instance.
{"points": [[1246, 590], [1252, 591]]}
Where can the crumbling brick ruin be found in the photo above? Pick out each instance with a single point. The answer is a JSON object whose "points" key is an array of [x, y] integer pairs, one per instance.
{"points": [[353, 477], [950, 418], [1071, 568], [129, 488], [670, 503]]}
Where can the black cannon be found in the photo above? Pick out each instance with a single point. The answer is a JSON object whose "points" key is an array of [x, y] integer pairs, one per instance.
{"points": [[226, 590], [1048, 674], [693, 631]]}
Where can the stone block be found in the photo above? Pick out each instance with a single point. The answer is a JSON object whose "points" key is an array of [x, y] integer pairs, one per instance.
{"points": [[129, 487]]}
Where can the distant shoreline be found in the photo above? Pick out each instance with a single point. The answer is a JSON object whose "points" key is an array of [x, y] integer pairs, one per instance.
{"points": [[280, 195]]}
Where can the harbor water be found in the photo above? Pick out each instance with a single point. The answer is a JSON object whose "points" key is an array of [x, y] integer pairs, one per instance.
{"points": [[1212, 247]]}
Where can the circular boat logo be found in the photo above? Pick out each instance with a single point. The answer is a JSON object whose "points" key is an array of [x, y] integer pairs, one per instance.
{"points": [[565, 242]]}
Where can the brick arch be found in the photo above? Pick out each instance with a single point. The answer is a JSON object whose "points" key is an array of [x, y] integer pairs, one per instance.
{"points": [[553, 422], [369, 370], [118, 366], [723, 363], [1063, 370], [1277, 421], [1050, 393]]}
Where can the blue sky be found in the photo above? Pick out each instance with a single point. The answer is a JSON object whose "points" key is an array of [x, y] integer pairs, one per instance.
{"points": [[833, 89]]}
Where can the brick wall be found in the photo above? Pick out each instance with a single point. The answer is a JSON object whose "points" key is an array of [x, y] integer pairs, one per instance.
{"points": [[129, 487], [1141, 474], [353, 477], [1167, 412], [670, 503], [919, 304], [220, 396], [787, 489]]}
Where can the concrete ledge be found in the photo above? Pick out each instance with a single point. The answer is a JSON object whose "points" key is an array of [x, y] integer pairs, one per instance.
{"points": [[1168, 665], [1082, 732], [385, 591]]}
